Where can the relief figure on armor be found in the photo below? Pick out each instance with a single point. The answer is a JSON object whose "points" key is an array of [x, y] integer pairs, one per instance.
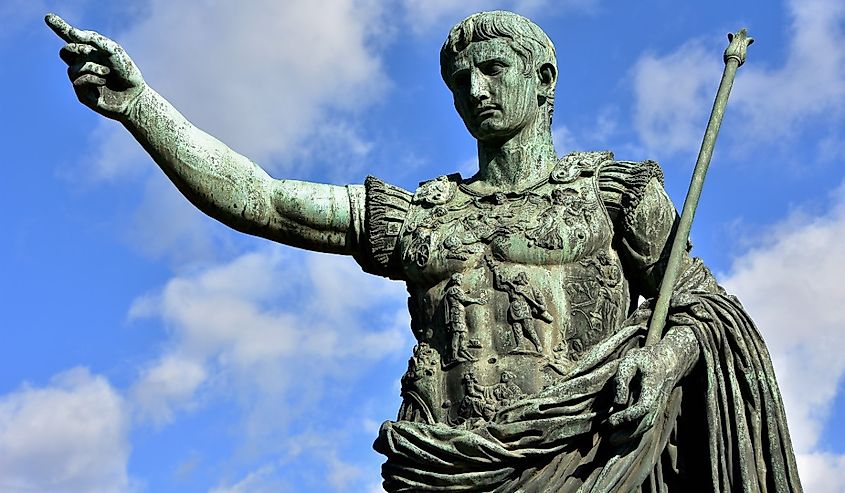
{"points": [[525, 303], [481, 402], [476, 404], [419, 385], [566, 204], [595, 303], [455, 301], [559, 249], [608, 277]]}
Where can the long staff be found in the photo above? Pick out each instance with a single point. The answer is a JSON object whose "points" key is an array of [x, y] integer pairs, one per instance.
{"points": [[734, 57]]}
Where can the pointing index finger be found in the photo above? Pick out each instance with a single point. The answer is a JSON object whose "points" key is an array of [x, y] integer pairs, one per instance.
{"points": [[62, 28], [73, 35]]}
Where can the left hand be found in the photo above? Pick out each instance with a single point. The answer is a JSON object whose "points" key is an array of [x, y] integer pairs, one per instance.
{"points": [[660, 366]]}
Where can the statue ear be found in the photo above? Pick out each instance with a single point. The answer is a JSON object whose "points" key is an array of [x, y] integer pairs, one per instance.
{"points": [[547, 75]]}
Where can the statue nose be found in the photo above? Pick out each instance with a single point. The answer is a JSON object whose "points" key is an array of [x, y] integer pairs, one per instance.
{"points": [[478, 87]]}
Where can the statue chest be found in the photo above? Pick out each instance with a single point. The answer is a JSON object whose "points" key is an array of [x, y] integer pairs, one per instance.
{"points": [[506, 291], [552, 224]]}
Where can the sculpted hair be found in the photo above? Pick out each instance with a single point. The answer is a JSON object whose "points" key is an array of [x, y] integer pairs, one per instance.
{"points": [[529, 42]]}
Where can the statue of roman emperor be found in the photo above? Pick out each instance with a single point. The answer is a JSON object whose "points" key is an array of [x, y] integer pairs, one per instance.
{"points": [[540, 381]]}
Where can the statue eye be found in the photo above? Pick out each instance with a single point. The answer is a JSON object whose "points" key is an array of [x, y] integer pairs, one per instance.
{"points": [[493, 67], [460, 78]]}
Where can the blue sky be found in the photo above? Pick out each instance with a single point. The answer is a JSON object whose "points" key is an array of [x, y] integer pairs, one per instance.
{"points": [[149, 349]]}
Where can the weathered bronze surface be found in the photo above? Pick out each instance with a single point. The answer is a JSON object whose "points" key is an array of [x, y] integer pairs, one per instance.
{"points": [[530, 372]]}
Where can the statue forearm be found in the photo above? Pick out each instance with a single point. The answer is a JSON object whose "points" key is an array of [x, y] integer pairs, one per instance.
{"points": [[222, 183], [232, 189], [684, 346]]}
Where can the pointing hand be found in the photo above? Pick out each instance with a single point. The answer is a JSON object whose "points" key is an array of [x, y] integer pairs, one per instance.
{"points": [[104, 77]]}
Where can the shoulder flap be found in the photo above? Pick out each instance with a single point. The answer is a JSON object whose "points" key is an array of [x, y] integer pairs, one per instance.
{"points": [[576, 164], [438, 191], [386, 209]]}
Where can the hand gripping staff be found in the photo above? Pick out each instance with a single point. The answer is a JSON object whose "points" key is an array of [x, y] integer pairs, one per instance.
{"points": [[734, 58]]}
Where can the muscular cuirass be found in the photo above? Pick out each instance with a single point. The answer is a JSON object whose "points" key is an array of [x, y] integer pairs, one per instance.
{"points": [[506, 290]]}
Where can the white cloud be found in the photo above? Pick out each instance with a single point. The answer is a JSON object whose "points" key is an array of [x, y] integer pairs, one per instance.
{"points": [[261, 480], [674, 92], [595, 133], [318, 449], [811, 83], [266, 320], [792, 287], [259, 75], [564, 139], [166, 225], [69, 436], [822, 473], [341, 474], [322, 447], [167, 384], [279, 335], [335, 142], [116, 155]]}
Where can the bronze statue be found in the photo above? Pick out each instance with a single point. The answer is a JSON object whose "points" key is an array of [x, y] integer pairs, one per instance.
{"points": [[559, 249]]}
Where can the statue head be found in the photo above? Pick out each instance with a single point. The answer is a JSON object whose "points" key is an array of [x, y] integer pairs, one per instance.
{"points": [[456, 280], [501, 69]]}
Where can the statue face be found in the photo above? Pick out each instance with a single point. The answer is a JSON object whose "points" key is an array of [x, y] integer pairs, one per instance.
{"points": [[492, 94]]}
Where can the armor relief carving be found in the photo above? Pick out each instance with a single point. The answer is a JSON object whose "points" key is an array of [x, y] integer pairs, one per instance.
{"points": [[525, 305], [481, 402], [455, 302], [421, 386], [595, 304]]}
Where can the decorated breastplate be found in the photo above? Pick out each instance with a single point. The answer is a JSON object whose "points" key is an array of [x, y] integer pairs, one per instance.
{"points": [[557, 221], [506, 290]]}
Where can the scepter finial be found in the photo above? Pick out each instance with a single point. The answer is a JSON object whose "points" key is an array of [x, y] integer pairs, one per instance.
{"points": [[739, 43]]}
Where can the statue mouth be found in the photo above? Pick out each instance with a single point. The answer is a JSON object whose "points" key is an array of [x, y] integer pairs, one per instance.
{"points": [[486, 111]]}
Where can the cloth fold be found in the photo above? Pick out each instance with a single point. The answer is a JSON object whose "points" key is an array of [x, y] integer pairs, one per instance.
{"points": [[723, 428]]}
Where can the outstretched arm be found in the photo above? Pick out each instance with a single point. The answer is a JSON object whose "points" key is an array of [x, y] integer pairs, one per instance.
{"points": [[222, 183], [232, 189], [466, 300], [498, 281]]}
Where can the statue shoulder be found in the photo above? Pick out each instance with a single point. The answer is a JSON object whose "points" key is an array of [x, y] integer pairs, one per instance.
{"points": [[623, 184], [385, 210], [576, 164], [628, 174], [437, 191]]}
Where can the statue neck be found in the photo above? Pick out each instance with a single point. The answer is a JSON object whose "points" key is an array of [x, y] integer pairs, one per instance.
{"points": [[518, 162]]}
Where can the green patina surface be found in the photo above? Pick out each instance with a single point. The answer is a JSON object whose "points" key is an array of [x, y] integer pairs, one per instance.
{"points": [[530, 371]]}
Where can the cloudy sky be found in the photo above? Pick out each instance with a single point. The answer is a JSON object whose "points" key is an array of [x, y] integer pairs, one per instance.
{"points": [[147, 348]]}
